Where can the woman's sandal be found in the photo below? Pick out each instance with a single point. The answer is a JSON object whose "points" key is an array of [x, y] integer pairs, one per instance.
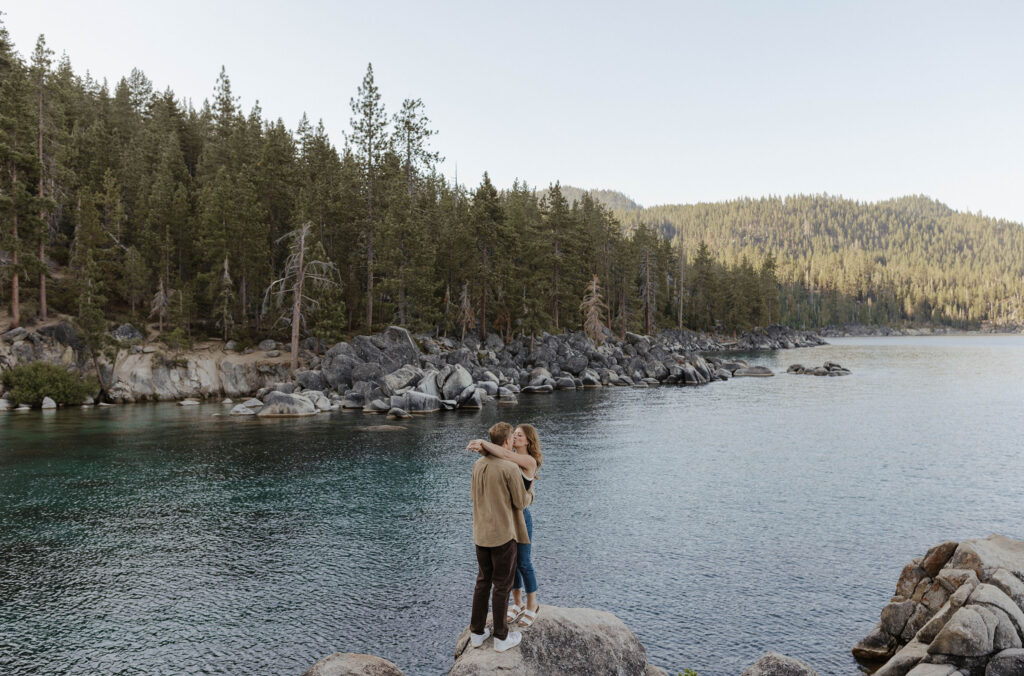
{"points": [[527, 618], [514, 613]]}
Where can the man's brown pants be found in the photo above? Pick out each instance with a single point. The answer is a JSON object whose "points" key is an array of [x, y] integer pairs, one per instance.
{"points": [[498, 568]]}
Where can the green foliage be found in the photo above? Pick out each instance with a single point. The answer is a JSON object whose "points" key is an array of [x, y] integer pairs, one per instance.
{"points": [[330, 318], [177, 339], [689, 672], [147, 201], [30, 383]]}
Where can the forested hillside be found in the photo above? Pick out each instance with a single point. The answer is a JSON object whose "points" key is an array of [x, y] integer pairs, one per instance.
{"points": [[842, 261]]}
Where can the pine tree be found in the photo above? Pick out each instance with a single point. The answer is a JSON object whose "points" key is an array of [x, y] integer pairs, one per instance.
{"points": [[369, 141], [40, 74], [467, 318], [19, 167], [225, 302]]}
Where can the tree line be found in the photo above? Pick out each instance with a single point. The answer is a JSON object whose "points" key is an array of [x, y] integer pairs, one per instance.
{"points": [[126, 203]]}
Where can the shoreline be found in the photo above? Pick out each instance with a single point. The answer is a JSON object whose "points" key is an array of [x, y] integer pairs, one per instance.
{"points": [[398, 370]]}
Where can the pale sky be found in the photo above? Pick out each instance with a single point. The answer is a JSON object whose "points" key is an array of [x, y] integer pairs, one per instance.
{"points": [[673, 102]]}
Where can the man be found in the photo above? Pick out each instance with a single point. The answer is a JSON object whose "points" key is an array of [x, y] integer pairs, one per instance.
{"points": [[498, 500]]}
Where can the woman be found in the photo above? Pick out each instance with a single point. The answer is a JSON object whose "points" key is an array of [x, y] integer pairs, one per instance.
{"points": [[525, 453]]}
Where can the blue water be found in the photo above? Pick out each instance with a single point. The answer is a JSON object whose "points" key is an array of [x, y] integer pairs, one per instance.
{"points": [[718, 522]]}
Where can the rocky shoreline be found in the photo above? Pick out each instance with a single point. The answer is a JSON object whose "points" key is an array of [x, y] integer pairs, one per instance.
{"points": [[958, 611], [861, 330], [397, 372]]}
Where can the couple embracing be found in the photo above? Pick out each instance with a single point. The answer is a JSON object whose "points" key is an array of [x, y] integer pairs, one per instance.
{"points": [[503, 491]]}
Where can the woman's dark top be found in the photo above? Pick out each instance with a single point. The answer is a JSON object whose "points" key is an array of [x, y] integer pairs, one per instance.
{"points": [[526, 482]]}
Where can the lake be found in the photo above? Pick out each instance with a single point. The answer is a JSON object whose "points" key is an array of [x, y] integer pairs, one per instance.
{"points": [[717, 522]]}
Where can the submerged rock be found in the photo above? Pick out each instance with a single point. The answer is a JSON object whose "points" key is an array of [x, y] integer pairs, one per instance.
{"points": [[774, 664], [753, 371], [353, 664]]}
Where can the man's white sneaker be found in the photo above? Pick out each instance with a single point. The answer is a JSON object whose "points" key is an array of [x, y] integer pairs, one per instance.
{"points": [[477, 640], [511, 641]]}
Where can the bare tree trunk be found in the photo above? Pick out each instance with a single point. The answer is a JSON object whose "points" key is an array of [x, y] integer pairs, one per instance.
{"points": [[42, 283], [483, 312], [243, 293], [42, 213], [622, 311], [647, 292], [556, 294], [369, 283], [15, 290], [297, 303], [682, 286]]}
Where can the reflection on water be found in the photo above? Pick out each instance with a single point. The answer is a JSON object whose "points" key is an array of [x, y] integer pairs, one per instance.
{"points": [[717, 522]]}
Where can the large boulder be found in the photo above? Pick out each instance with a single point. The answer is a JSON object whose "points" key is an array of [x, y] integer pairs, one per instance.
{"points": [[398, 348], [418, 402], [428, 384], [126, 333], [774, 664], [368, 371], [337, 367], [456, 382], [1009, 662], [402, 377], [568, 641], [353, 664], [281, 405], [311, 380], [14, 335], [64, 333]]}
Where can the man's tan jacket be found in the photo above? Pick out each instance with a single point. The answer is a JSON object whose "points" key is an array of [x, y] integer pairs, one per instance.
{"points": [[499, 498]]}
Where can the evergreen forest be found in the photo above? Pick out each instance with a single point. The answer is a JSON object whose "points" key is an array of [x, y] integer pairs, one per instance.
{"points": [[125, 203]]}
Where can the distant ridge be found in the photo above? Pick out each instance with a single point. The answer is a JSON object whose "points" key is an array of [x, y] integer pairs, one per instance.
{"points": [[613, 200]]}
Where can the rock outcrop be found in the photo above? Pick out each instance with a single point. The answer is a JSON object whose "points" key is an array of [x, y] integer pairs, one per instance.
{"points": [[960, 607], [829, 368]]}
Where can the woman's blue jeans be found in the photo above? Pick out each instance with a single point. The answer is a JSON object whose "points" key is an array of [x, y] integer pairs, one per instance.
{"points": [[524, 567]]}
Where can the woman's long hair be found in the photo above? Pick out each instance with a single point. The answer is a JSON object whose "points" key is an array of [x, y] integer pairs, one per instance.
{"points": [[532, 443]]}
